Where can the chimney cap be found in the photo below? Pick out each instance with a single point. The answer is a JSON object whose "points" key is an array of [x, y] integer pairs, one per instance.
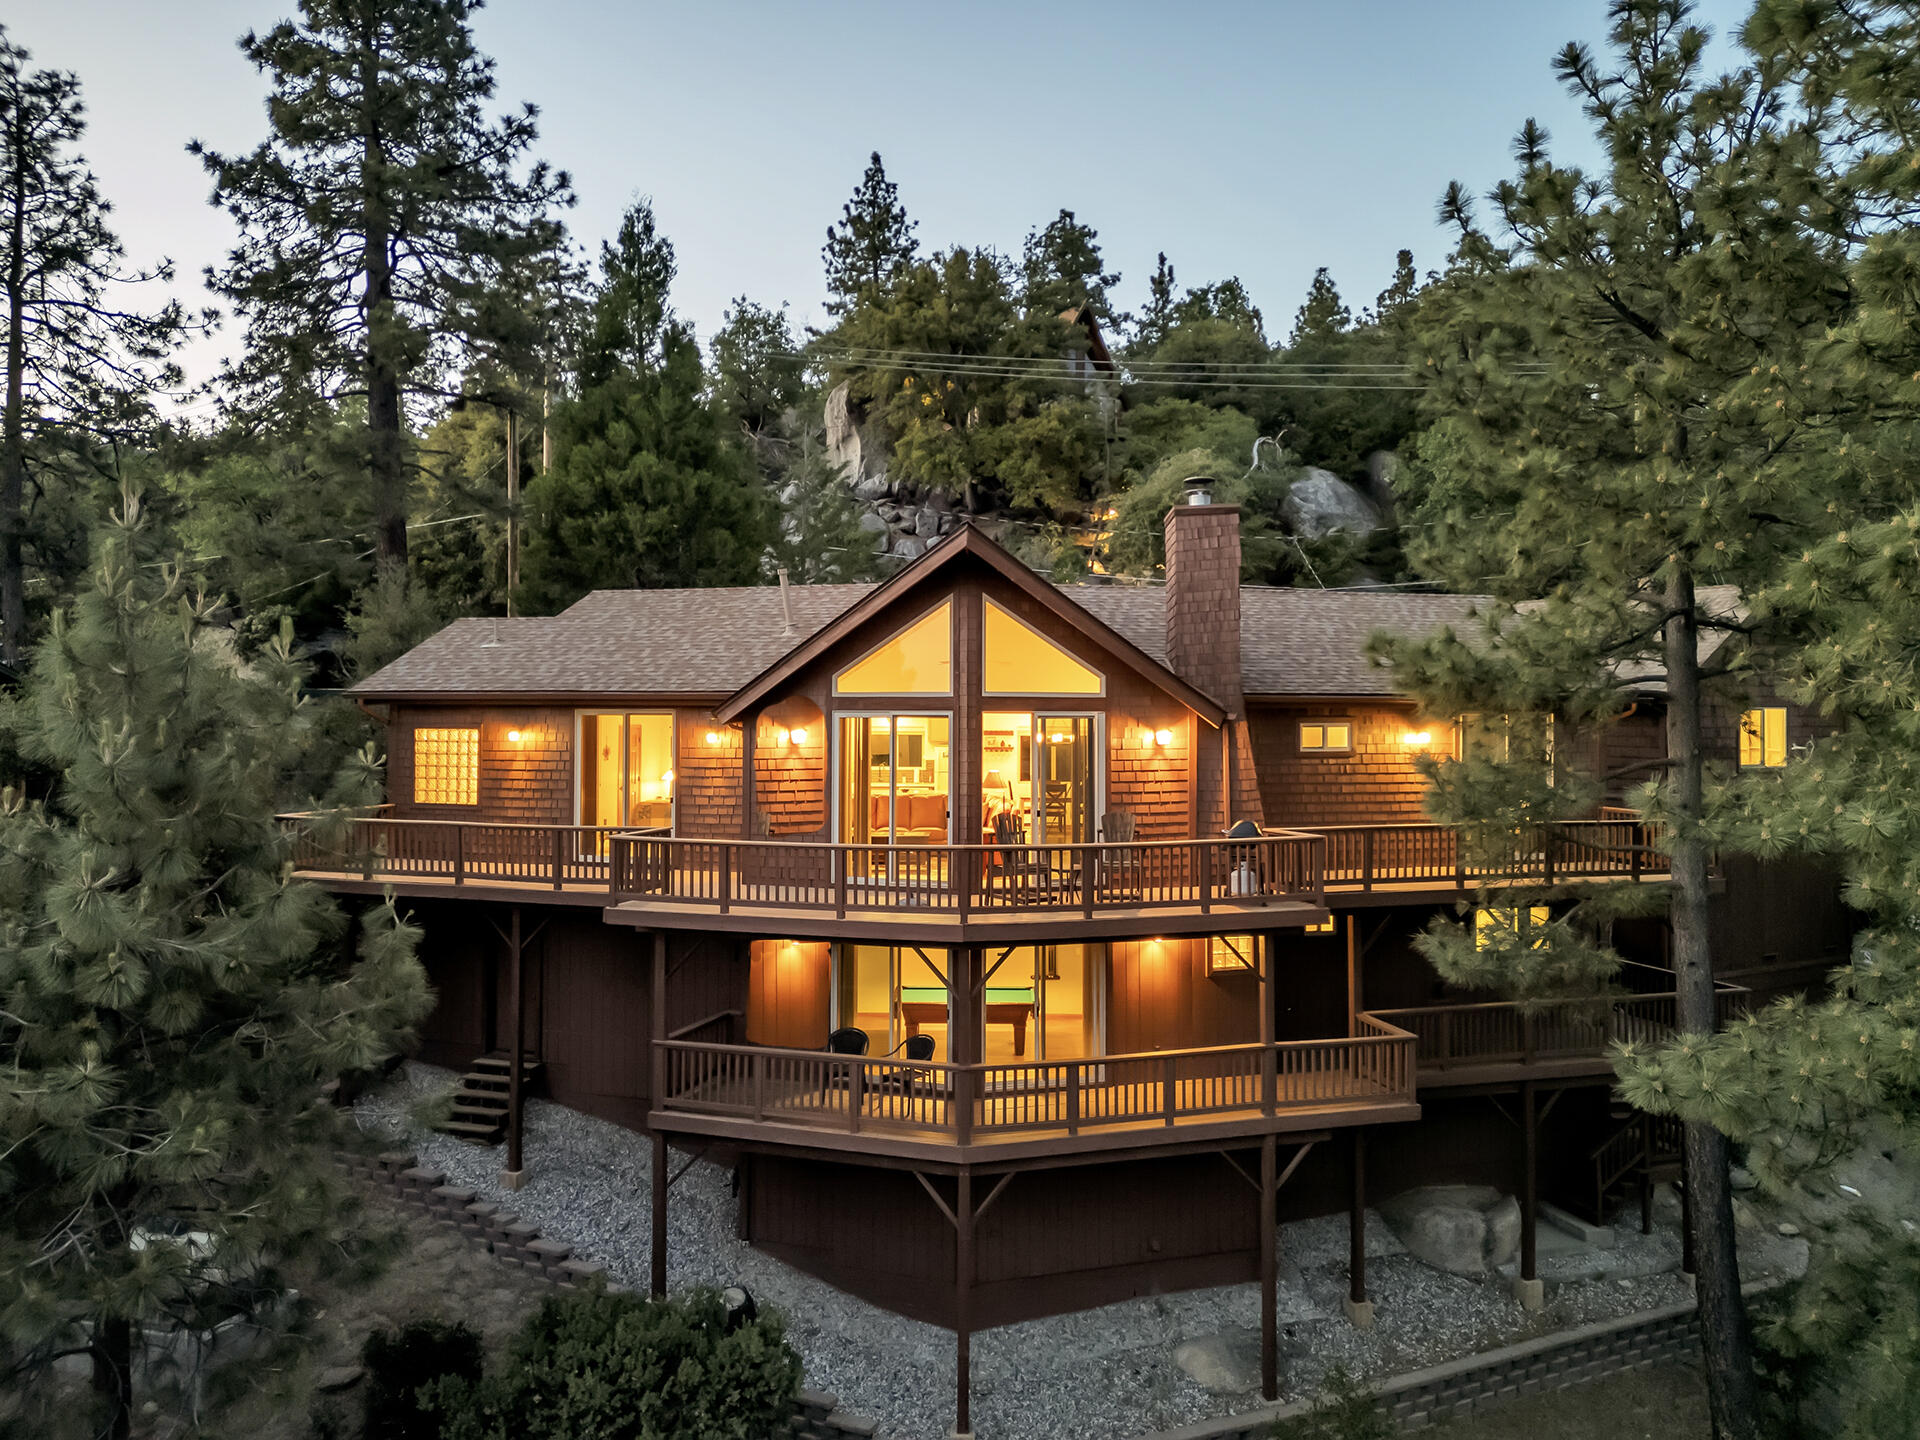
{"points": [[1199, 489]]}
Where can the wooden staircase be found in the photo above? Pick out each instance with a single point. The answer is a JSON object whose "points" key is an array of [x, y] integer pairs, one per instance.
{"points": [[1643, 1151], [479, 1111]]}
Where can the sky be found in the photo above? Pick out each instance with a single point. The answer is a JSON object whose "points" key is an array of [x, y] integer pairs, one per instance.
{"points": [[1261, 140]]}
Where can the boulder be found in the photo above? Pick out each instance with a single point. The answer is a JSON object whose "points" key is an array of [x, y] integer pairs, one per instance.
{"points": [[1223, 1364], [908, 548], [926, 523], [873, 524], [856, 443], [1320, 502], [1462, 1229], [1382, 485]]}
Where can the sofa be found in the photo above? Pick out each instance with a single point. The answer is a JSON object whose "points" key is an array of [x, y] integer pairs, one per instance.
{"points": [[922, 820]]}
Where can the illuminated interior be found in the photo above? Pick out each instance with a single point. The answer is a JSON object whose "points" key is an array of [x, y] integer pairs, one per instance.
{"points": [[626, 770], [1039, 768], [917, 661], [896, 781], [1040, 1003], [1016, 659], [1763, 738]]}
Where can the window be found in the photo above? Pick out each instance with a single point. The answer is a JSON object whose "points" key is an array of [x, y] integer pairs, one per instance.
{"points": [[1326, 737], [626, 769], [1326, 927], [1763, 738], [917, 661], [446, 767], [1496, 926], [1016, 659], [1232, 955]]}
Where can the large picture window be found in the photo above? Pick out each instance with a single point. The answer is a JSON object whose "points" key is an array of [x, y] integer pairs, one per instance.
{"points": [[446, 766], [1016, 659], [917, 661], [626, 769]]}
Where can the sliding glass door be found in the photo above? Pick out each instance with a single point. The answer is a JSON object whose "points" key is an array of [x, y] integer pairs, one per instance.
{"points": [[1041, 769], [895, 786], [625, 773]]}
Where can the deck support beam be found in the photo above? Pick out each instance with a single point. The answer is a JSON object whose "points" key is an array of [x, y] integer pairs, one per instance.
{"points": [[963, 1218], [1269, 1270], [1355, 1003], [515, 1174], [658, 1069], [1527, 1288], [1359, 1308]]}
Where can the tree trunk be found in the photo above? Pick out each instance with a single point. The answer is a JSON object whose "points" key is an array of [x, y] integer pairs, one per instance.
{"points": [[13, 442], [112, 1352], [1726, 1338], [386, 457]]}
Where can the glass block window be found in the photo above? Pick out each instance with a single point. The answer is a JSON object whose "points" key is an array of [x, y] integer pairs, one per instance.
{"points": [[1231, 955], [446, 767]]}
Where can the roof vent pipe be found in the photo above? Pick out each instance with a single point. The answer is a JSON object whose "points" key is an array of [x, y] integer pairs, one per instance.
{"points": [[1199, 490], [786, 603]]}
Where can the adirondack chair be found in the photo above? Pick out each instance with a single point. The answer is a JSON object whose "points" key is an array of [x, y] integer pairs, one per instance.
{"points": [[1019, 870], [1122, 871]]}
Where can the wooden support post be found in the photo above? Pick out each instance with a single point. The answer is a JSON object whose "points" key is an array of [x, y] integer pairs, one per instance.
{"points": [[1354, 1004], [963, 1303], [658, 1259], [1269, 1271], [515, 1174], [658, 1003], [963, 1034], [1359, 1308], [1527, 1289]]}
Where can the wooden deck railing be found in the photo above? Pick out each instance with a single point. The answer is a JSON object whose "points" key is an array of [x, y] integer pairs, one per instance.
{"points": [[379, 846], [969, 1104], [967, 880], [1513, 1032], [1366, 857]]}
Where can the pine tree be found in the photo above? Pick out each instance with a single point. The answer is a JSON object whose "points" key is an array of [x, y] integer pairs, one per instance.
{"points": [[80, 367], [758, 374], [1157, 317], [1828, 1091], [376, 221], [1610, 382], [820, 540], [871, 246], [646, 488], [1060, 268], [1322, 315], [1392, 303], [175, 1000]]}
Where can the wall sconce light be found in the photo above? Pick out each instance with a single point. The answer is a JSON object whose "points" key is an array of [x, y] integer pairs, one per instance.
{"points": [[713, 737], [514, 737], [799, 735], [1417, 739], [782, 735], [1163, 737]]}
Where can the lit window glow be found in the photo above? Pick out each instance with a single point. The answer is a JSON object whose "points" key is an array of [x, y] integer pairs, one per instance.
{"points": [[1763, 738], [1326, 737], [446, 767]]}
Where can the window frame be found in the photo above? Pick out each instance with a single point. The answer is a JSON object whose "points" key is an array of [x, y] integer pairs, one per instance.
{"points": [[1083, 695], [414, 740], [953, 659], [1760, 739], [579, 768], [1323, 725]]}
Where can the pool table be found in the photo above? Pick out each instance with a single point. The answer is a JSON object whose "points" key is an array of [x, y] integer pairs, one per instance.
{"points": [[1005, 1005]]}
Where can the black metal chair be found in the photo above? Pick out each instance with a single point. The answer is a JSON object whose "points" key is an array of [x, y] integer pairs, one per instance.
{"points": [[847, 1040], [908, 1079]]}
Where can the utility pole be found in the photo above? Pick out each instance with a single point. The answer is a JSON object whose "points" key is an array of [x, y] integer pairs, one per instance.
{"points": [[513, 507]]}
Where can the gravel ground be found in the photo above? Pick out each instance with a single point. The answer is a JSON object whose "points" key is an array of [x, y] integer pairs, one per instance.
{"points": [[1100, 1374]]}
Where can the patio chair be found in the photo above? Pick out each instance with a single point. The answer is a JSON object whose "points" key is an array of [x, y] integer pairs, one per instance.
{"points": [[1121, 871], [1019, 869], [908, 1079], [847, 1040]]}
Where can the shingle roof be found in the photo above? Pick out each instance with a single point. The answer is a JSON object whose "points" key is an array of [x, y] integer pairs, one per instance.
{"points": [[618, 642], [711, 642]]}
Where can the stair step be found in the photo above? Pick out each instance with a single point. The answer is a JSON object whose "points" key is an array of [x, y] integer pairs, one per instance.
{"points": [[470, 1130], [479, 1114], [499, 1064]]}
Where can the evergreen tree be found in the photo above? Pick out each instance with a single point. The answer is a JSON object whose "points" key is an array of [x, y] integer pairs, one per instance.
{"points": [[1157, 318], [646, 489], [1607, 388], [820, 539], [80, 367], [377, 221], [1322, 315], [175, 1000], [758, 374], [1061, 268], [1827, 1092], [871, 246], [1390, 306]]}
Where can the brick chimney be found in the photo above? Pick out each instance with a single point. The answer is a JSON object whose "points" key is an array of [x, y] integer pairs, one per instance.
{"points": [[1203, 640]]}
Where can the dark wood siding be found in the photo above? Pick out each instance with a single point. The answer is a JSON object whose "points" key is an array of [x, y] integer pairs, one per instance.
{"points": [[788, 994]]}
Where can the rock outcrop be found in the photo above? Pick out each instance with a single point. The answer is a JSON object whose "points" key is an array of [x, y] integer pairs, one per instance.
{"points": [[1320, 502], [1462, 1229], [902, 522]]}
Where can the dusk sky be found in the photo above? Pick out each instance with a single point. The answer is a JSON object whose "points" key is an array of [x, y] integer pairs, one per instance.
{"points": [[1261, 140]]}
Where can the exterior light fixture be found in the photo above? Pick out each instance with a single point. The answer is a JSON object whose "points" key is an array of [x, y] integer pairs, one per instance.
{"points": [[713, 737], [1163, 737], [799, 735], [1417, 738], [782, 735], [513, 737]]}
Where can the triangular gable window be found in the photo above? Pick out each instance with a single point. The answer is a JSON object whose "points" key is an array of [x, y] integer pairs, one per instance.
{"points": [[1016, 659], [917, 661]]}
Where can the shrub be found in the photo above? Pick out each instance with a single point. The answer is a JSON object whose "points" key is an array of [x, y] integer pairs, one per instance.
{"points": [[1344, 1409], [617, 1367], [402, 1363]]}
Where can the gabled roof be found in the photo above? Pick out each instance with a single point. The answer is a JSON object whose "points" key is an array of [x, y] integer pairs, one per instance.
{"points": [[697, 644], [968, 541]]}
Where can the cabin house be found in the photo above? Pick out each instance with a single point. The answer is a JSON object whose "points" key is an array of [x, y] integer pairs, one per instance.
{"points": [[1023, 946]]}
